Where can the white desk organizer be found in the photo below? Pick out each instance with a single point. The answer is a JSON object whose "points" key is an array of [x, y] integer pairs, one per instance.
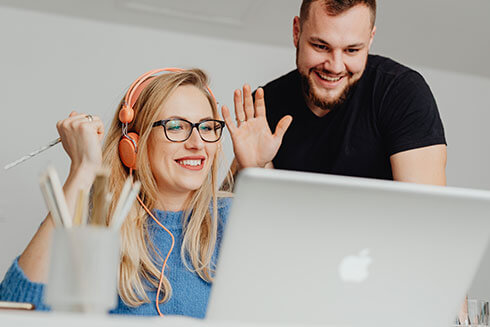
{"points": [[83, 269]]}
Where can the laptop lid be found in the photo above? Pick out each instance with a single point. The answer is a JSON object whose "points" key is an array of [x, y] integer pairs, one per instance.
{"points": [[320, 249], [480, 287]]}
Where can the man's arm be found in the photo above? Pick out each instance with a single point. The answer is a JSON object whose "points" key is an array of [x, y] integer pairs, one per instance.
{"points": [[425, 165]]}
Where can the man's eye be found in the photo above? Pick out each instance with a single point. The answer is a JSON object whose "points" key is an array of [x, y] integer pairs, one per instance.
{"points": [[352, 50], [320, 46]]}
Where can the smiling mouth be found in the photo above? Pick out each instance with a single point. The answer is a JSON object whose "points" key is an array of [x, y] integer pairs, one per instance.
{"points": [[192, 164], [327, 78]]}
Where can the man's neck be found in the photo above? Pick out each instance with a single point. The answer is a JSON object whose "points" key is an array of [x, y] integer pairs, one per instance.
{"points": [[317, 111]]}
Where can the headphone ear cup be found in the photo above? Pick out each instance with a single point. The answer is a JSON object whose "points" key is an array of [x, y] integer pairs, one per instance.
{"points": [[128, 148], [126, 114]]}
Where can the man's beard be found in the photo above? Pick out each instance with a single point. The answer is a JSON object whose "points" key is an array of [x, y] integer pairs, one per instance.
{"points": [[322, 103], [313, 99]]}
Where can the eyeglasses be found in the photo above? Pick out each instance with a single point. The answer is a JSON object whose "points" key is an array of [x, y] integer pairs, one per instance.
{"points": [[179, 130]]}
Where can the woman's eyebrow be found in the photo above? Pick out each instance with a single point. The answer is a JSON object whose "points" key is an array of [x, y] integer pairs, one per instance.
{"points": [[176, 117], [183, 118]]}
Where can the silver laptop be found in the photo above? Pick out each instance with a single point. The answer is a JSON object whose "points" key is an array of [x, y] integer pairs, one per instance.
{"points": [[480, 287], [306, 248]]}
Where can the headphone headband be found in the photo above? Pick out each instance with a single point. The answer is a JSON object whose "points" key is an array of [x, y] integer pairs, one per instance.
{"points": [[126, 114]]}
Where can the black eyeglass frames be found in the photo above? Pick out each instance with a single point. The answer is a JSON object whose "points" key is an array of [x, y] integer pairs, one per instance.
{"points": [[179, 130]]}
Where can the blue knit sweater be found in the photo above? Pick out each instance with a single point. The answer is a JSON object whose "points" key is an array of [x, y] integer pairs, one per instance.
{"points": [[190, 293]]}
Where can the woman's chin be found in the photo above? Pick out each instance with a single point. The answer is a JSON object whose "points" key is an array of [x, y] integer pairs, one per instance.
{"points": [[190, 185]]}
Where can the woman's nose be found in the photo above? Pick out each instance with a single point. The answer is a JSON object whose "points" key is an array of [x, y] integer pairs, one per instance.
{"points": [[194, 141]]}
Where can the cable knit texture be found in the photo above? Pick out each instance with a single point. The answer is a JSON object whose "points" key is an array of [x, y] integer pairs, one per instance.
{"points": [[190, 293]]}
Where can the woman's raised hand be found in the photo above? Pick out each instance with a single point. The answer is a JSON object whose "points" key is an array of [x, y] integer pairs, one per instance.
{"points": [[81, 136], [253, 142]]}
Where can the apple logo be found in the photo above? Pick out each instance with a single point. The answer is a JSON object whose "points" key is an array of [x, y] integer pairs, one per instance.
{"points": [[354, 268]]}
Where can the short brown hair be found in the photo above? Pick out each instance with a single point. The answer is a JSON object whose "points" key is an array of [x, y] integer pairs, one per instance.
{"points": [[336, 7]]}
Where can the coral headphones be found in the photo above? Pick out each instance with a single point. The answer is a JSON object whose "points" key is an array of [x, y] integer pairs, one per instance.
{"points": [[128, 145]]}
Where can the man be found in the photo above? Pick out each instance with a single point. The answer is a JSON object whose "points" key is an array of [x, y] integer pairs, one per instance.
{"points": [[353, 113]]}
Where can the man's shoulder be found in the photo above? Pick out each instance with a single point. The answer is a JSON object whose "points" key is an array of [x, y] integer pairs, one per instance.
{"points": [[384, 74], [283, 83], [385, 66], [283, 96]]}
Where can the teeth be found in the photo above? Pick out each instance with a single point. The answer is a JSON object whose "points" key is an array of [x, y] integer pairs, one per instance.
{"points": [[328, 78], [190, 162]]}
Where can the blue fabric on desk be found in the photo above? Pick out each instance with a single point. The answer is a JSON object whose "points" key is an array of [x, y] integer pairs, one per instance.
{"points": [[190, 293]]}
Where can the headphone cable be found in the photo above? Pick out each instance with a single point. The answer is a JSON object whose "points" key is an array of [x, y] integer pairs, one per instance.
{"points": [[168, 254]]}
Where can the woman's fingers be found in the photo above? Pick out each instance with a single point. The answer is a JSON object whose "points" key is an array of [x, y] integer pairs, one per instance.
{"points": [[99, 127], [81, 136], [81, 122], [92, 124], [282, 127], [259, 103], [228, 120], [95, 122], [239, 113], [245, 107], [248, 102]]}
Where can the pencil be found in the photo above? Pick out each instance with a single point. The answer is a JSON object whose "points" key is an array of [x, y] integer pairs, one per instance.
{"points": [[55, 198], [119, 220], [59, 197], [100, 189], [122, 197], [79, 209], [49, 199]]}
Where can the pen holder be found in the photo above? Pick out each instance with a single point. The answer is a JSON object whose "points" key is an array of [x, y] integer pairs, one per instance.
{"points": [[83, 269]]}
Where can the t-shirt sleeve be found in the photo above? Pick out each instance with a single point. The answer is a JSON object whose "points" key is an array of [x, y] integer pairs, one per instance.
{"points": [[16, 287], [409, 117]]}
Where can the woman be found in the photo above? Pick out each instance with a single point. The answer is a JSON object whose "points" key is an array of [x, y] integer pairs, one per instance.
{"points": [[177, 167]]}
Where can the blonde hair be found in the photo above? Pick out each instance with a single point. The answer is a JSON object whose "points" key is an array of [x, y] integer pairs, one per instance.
{"points": [[139, 258]]}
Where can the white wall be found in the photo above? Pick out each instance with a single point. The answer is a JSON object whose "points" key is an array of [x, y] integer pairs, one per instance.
{"points": [[464, 105], [50, 65]]}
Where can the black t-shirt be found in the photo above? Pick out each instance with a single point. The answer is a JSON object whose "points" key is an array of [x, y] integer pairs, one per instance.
{"points": [[391, 109]]}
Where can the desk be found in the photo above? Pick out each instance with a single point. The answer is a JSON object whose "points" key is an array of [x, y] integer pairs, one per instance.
{"points": [[50, 319]]}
